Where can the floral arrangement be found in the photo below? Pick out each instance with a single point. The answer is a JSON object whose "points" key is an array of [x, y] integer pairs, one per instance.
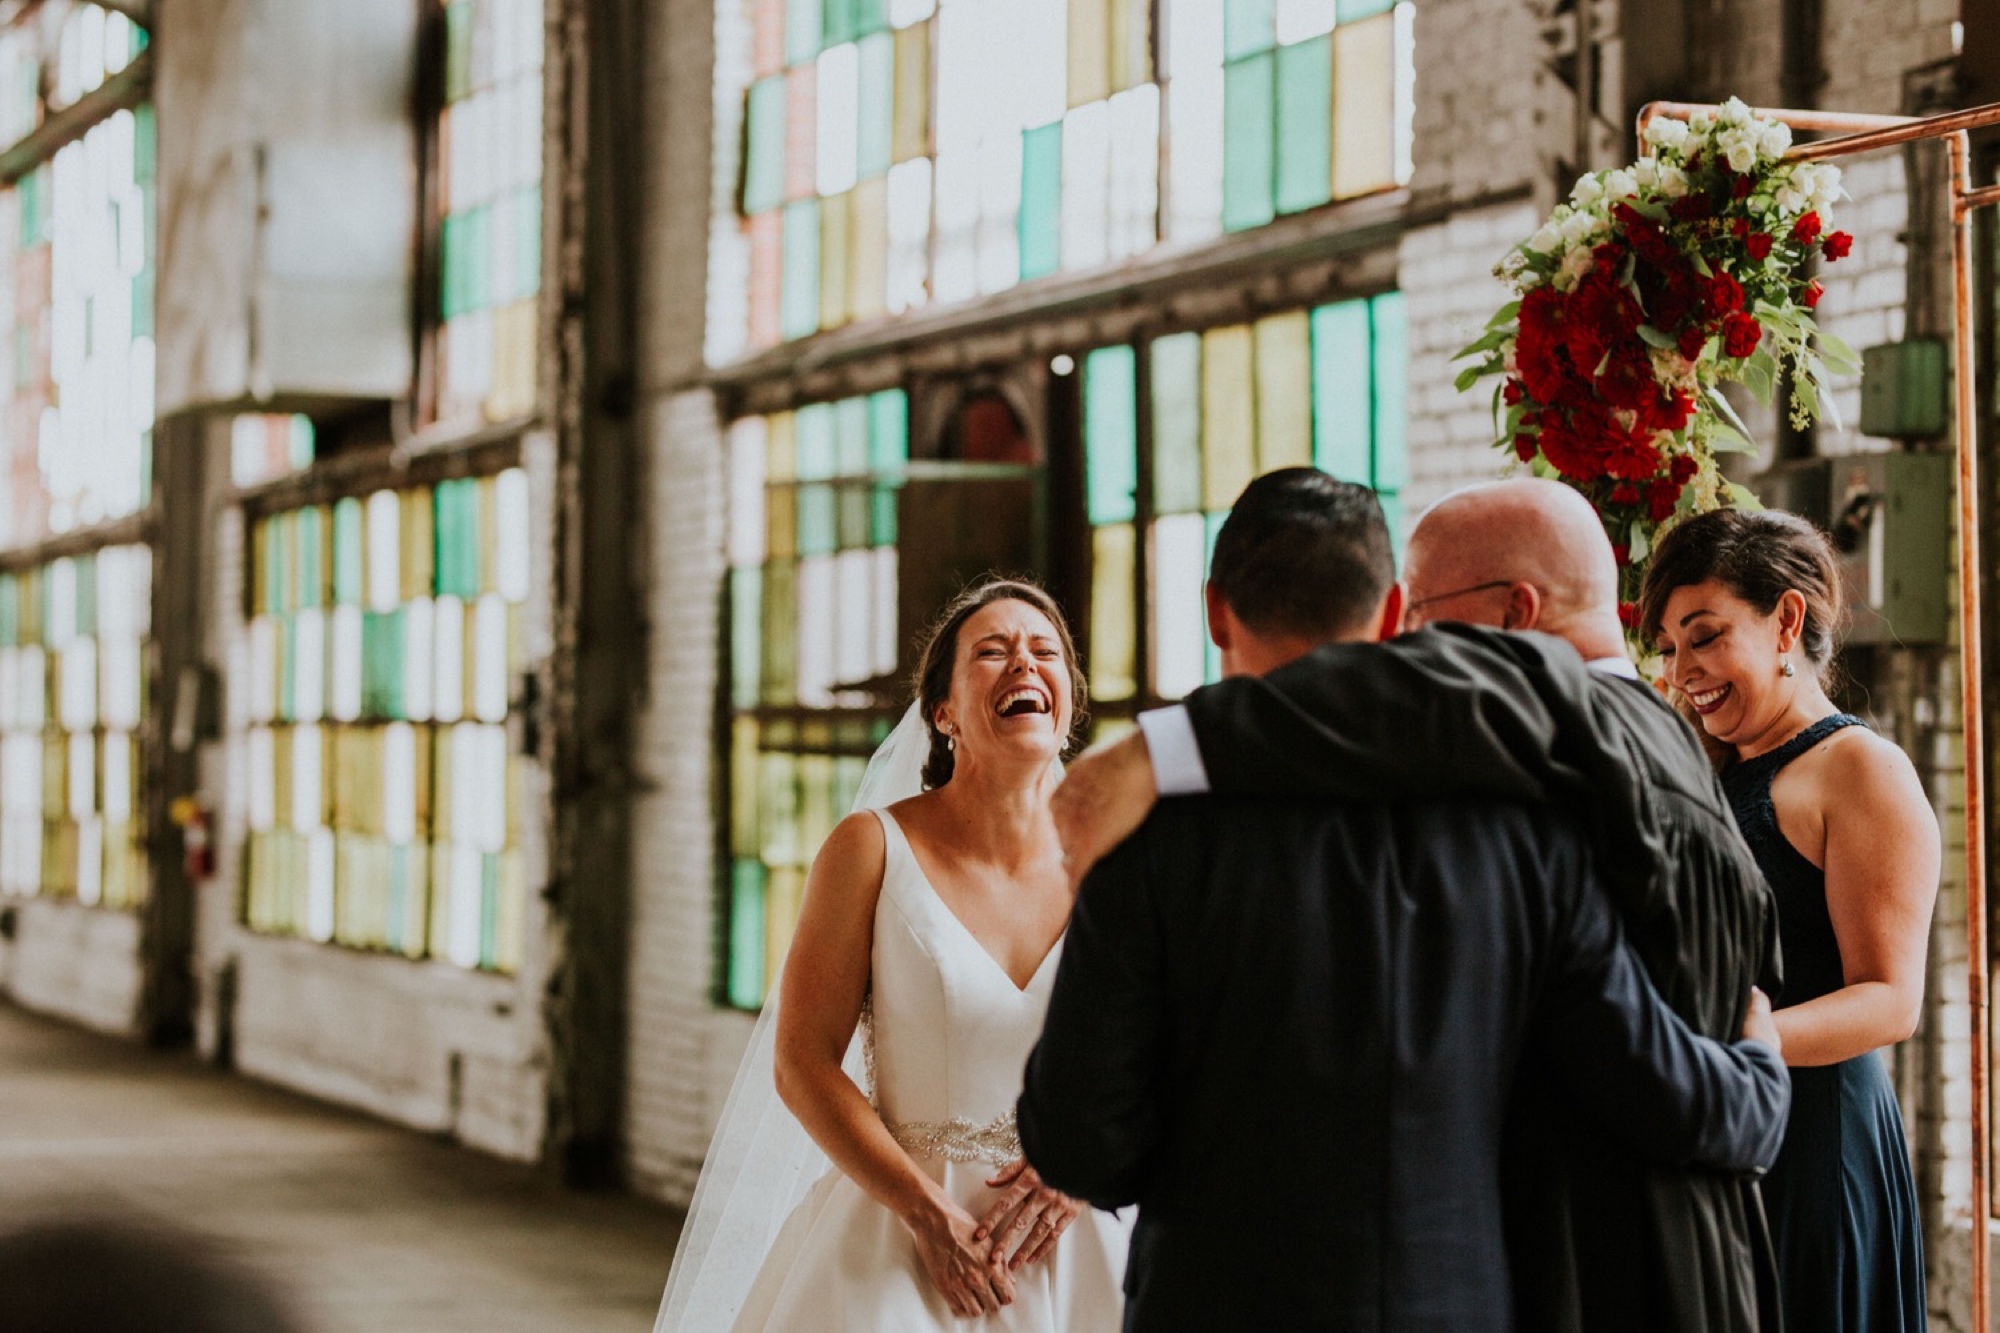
{"points": [[1639, 298]]}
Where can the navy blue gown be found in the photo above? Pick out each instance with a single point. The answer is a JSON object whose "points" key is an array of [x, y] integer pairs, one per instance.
{"points": [[1841, 1200]]}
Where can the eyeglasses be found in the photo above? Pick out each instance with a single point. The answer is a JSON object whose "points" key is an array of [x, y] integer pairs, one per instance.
{"points": [[1463, 592]]}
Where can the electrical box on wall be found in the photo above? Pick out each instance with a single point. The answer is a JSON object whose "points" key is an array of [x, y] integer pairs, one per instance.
{"points": [[1890, 518], [1905, 394], [288, 205]]}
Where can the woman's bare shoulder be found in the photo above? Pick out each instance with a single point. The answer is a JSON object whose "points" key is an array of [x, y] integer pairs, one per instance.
{"points": [[1859, 769], [853, 855]]}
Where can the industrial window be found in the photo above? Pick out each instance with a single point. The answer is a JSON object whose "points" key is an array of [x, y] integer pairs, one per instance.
{"points": [[898, 152], [383, 792], [487, 187]]}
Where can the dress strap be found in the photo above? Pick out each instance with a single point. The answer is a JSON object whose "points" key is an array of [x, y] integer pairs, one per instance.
{"points": [[1805, 740]]}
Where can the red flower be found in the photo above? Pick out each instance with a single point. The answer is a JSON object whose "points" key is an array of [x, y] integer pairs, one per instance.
{"points": [[1538, 345], [1836, 246], [1683, 468], [1628, 614], [1741, 187], [1512, 393], [1624, 493], [1621, 553], [1671, 411], [1689, 207], [1740, 228], [1724, 296], [1758, 246], [1662, 497], [1741, 334], [1693, 339], [1632, 457], [1806, 230], [1812, 293], [1524, 447]]}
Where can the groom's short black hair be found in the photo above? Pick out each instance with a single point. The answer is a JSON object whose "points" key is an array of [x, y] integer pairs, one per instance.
{"points": [[1303, 555]]}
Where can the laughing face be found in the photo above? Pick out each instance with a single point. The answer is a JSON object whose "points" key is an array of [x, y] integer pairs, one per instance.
{"points": [[1726, 657], [1010, 686]]}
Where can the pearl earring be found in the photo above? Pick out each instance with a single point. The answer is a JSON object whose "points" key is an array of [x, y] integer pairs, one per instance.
{"points": [[1785, 669]]}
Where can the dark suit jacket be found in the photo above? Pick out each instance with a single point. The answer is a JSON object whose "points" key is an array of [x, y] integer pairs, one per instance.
{"points": [[1289, 1031], [1603, 1239]]}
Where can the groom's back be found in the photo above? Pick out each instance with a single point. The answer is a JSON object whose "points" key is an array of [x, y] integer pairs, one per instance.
{"points": [[1351, 990]]}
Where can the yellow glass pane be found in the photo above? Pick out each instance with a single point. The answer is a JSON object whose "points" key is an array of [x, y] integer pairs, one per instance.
{"points": [[1089, 51], [418, 552], [1284, 391], [781, 443], [1131, 42], [836, 302], [1114, 631], [1228, 415], [783, 893], [816, 813], [868, 232], [1364, 79], [911, 136]]}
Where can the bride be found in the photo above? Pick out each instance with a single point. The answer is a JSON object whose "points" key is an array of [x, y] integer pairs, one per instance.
{"points": [[932, 922]]}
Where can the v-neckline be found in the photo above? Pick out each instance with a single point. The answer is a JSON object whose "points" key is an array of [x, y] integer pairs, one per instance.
{"points": [[910, 849]]}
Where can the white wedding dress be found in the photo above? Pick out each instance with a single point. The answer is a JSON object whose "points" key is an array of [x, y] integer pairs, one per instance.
{"points": [[950, 1035]]}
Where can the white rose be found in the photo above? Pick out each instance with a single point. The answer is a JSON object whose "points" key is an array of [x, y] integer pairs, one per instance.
{"points": [[1742, 156], [1646, 173], [1775, 140], [1826, 189], [1668, 133], [1587, 191], [1620, 184], [1790, 199], [1735, 111], [1701, 122], [1804, 178], [1547, 239], [1578, 227], [1673, 182]]}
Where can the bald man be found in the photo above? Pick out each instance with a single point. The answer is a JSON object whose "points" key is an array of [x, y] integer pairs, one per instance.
{"points": [[1515, 683]]}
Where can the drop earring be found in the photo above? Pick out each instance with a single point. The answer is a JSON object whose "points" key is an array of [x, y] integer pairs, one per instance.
{"points": [[1785, 669]]}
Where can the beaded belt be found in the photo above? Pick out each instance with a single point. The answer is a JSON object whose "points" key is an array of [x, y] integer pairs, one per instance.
{"points": [[995, 1143]]}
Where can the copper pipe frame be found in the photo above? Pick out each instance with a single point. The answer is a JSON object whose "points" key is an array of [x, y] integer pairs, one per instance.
{"points": [[1861, 134]]}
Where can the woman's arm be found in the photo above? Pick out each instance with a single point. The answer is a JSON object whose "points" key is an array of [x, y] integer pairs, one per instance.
{"points": [[825, 981], [1881, 863]]}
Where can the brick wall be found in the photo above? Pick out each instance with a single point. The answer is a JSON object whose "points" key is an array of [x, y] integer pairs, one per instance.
{"points": [[79, 963]]}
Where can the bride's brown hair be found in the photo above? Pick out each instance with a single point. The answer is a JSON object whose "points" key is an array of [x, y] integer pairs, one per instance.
{"points": [[940, 655]]}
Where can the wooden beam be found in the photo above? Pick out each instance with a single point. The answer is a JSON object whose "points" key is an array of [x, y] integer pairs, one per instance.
{"points": [[121, 92]]}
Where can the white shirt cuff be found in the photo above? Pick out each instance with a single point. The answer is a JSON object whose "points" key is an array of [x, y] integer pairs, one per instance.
{"points": [[1177, 766]]}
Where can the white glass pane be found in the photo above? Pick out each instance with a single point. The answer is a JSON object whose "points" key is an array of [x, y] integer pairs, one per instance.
{"points": [[1135, 170], [1406, 91], [308, 779], [467, 756], [1301, 19], [1194, 180], [61, 626], [116, 577], [419, 658], [263, 682], [816, 631], [384, 548], [491, 832], [489, 659], [887, 637], [117, 777], [999, 212], [261, 757], [78, 695], [448, 698], [462, 928], [902, 13], [309, 668], [1044, 29], [89, 862], [320, 848], [510, 521], [909, 234], [955, 253], [122, 672], [1086, 185], [854, 654], [82, 795], [343, 664], [399, 783], [1193, 39], [838, 124], [748, 442], [469, 364], [33, 708], [1179, 640]]}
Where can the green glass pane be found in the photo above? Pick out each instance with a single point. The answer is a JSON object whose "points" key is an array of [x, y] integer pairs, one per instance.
{"points": [[288, 667], [815, 441], [1247, 148], [1343, 396], [1392, 383], [299, 442], [382, 664], [86, 596], [347, 523], [142, 304], [1305, 124], [528, 241], [10, 611], [876, 132], [312, 557], [489, 910], [764, 133], [817, 507], [870, 16], [145, 144], [397, 936], [850, 435], [746, 610], [277, 570], [837, 22], [883, 525], [802, 30], [478, 272], [1041, 200], [888, 431], [1351, 10], [457, 49], [1248, 26], [780, 676], [456, 528], [1177, 424], [1111, 434], [746, 934], [855, 518], [798, 299], [451, 281]]}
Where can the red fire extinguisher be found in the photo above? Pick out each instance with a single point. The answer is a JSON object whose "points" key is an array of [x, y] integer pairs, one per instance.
{"points": [[197, 852]]}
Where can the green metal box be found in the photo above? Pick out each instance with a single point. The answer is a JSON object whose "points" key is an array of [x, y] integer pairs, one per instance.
{"points": [[1905, 394]]}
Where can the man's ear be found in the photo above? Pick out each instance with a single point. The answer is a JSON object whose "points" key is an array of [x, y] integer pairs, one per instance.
{"points": [[1221, 624], [1524, 606], [1391, 622]]}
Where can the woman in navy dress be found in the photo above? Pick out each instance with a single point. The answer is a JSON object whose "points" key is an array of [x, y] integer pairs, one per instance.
{"points": [[1742, 606]]}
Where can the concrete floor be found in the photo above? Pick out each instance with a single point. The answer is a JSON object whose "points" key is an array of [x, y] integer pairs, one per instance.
{"points": [[364, 1226]]}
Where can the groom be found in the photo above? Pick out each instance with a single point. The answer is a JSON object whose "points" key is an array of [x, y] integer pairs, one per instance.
{"points": [[1290, 1029], [1599, 1237]]}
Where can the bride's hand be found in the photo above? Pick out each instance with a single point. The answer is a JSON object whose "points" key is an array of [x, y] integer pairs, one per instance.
{"points": [[950, 1249], [1038, 1215]]}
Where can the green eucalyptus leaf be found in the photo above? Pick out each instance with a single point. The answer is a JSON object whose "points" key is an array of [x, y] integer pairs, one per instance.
{"points": [[1654, 338]]}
